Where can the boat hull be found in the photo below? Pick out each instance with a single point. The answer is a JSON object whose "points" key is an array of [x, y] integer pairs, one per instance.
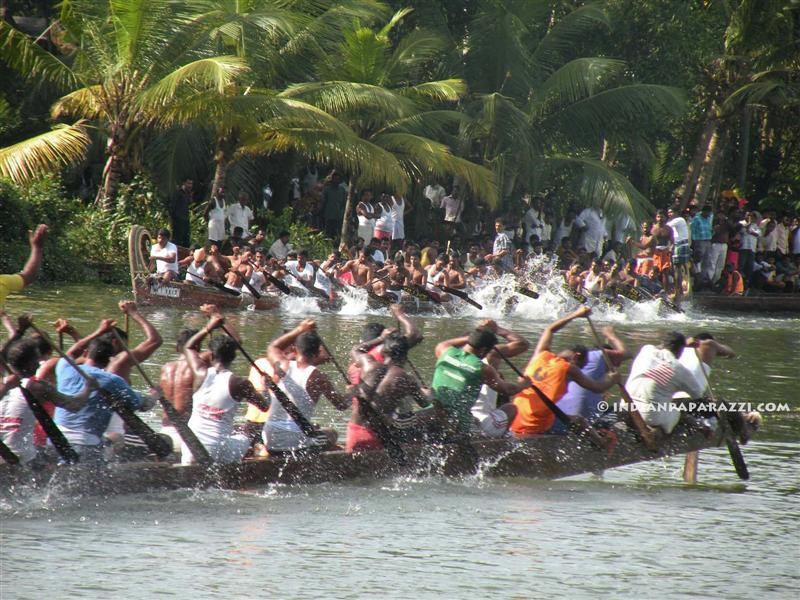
{"points": [[540, 457], [774, 303]]}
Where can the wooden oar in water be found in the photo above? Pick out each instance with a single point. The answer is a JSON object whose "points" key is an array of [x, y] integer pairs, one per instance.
{"points": [[645, 432], [460, 294], [526, 292], [383, 431], [216, 284], [290, 407], [154, 442], [572, 425], [56, 436], [188, 436], [737, 458]]}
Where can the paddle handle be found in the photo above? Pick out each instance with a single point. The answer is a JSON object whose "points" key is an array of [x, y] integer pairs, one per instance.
{"points": [[60, 443], [289, 406]]}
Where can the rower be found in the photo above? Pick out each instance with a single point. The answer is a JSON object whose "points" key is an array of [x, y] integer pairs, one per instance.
{"points": [[359, 435], [579, 400], [303, 383], [359, 272], [656, 376], [164, 254], [216, 393], [195, 270], [389, 389], [84, 429], [176, 384], [326, 272], [458, 377], [302, 270], [551, 373], [17, 421], [492, 422]]}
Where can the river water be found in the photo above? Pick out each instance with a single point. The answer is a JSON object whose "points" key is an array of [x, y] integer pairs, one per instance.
{"points": [[637, 532]]}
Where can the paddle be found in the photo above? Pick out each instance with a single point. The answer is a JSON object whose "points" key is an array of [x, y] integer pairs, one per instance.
{"points": [[647, 434], [420, 293], [154, 442], [188, 436], [463, 295], [275, 281], [377, 421], [8, 455], [290, 407], [737, 458], [60, 443], [526, 292], [574, 426], [216, 284], [385, 300]]}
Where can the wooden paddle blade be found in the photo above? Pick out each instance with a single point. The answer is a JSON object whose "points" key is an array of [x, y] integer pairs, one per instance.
{"points": [[737, 458], [8, 455], [527, 292], [690, 467], [278, 283], [155, 443], [461, 294], [60, 443], [188, 436]]}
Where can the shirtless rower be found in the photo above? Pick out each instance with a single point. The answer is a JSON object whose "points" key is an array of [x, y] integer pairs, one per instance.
{"points": [[646, 243], [304, 385], [419, 276], [551, 373], [217, 392], [359, 434], [176, 381], [662, 248], [358, 272], [389, 390], [395, 278]]}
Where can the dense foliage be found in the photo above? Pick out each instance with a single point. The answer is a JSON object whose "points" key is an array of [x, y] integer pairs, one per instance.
{"points": [[620, 103]]}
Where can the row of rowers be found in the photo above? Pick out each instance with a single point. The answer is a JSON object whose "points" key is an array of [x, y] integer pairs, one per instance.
{"points": [[462, 399]]}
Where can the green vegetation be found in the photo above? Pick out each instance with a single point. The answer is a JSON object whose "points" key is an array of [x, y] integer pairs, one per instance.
{"points": [[620, 103]]}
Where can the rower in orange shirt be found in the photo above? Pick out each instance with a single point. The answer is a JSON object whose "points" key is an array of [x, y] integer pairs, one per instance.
{"points": [[551, 373]]}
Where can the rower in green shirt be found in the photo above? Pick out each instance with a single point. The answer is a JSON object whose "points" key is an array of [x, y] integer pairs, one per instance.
{"points": [[460, 372]]}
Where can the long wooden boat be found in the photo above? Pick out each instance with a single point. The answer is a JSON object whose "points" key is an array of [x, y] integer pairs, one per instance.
{"points": [[148, 291], [773, 303], [540, 457]]}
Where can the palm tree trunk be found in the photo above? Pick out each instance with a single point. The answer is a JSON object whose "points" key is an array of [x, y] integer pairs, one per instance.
{"points": [[220, 172], [112, 172], [687, 189], [349, 208], [711, 159], [744, 149]]}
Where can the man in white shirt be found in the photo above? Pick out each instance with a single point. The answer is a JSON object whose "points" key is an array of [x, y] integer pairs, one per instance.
{"points": [[503, 248], [453, 205], [240, 214], [681, 250], [747, 250], [302, 270], [534, 218], [281, 247], [435, 193], [656, 376], [592, 225], [195, 271], [165, 256]]}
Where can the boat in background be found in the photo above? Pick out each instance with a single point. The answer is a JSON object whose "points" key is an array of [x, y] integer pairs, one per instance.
{"points": [[771, 303], [149, 291]]}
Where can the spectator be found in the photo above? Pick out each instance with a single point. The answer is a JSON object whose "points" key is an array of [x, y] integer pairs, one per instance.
{"points": [[281, 247], [240, 214], [179, 212]]}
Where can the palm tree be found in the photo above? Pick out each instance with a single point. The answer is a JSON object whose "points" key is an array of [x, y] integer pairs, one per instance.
{"points": [[126, 61], [378, 86], [540, 112]]}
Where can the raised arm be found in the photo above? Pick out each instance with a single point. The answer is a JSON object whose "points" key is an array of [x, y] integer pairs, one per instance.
{"points": [[407, 327], [276, 351], [79, 347], [191, 348], [243, 390], [616, 344], [444, 345], [320, 384], [547, 335], [43, 391], [152, 339], [8, 323], [30, 271], [515, 344]]}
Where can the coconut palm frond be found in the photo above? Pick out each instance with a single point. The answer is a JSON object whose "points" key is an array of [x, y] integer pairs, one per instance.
{"points": [[562, 38], [574, 81], [216, 73], [63, 145], [26, 57], [447, 90], [85, 103], [425, 156], [602, 186], [337, 97]]}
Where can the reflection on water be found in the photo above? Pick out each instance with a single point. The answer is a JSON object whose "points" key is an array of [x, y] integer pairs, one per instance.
{"points": [[636, 532]]}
